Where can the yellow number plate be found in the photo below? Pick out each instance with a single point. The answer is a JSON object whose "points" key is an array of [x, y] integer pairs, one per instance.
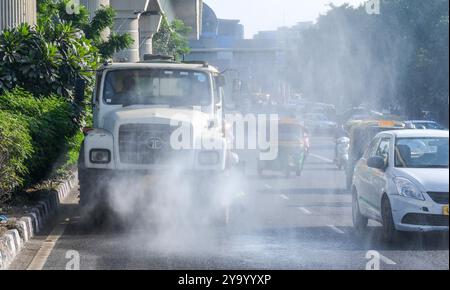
{"points": [[445, 210]]}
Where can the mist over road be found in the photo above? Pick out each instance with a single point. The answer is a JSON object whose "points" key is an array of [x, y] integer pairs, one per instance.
{"points": [[299, 223]]}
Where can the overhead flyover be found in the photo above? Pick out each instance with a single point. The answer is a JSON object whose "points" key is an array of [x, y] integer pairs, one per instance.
{"points": [[142, 19]]}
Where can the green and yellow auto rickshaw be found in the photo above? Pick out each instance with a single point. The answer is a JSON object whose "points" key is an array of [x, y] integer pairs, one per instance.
{"points": [[292, 149]]}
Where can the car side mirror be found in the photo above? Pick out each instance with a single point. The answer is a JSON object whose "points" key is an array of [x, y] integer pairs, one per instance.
{"points": [[80, 88], [376, 162]]}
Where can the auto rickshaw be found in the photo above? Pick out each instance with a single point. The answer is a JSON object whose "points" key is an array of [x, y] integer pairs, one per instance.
{"points": [[292, 149]]}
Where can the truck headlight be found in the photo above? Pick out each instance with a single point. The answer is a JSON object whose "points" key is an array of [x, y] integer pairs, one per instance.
{"points": [[100, 156], [407, 189], [208, 158]]}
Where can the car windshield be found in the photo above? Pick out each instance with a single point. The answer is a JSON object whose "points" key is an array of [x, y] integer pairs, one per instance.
{"points": [[157, 87], [422, 153]]}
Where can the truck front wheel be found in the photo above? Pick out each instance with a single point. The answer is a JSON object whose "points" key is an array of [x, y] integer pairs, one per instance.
{"points": [[93, 209], [91, 187]]}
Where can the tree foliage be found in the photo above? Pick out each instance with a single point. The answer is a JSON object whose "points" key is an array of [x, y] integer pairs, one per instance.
{"points": [[395, 60], [103, 20], [60, 49], [46, 59], [171, 39]]}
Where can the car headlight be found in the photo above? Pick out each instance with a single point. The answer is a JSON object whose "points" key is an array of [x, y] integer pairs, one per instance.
{"points": [[100, 156], [407, 189], [208, 158]]}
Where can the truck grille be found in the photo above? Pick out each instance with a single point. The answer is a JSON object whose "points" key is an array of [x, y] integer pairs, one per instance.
{"points": [[145, 144]]}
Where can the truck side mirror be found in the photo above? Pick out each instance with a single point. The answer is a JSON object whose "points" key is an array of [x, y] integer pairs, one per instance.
{"points": [[221, 81], [80, 88]]}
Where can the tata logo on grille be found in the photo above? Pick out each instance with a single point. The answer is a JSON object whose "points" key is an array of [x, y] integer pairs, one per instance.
{"points": [[154, 143]]}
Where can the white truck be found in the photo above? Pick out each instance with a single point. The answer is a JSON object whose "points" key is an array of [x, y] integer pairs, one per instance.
{"points": [[139, 111]]}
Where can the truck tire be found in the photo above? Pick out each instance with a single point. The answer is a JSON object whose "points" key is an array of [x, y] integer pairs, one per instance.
{"points": [[92, 213]]}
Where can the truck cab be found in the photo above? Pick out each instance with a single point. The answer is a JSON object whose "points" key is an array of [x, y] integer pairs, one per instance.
{"points": [[151, 116]]}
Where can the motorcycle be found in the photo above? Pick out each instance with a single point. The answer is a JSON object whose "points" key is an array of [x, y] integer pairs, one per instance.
{"points": [[342, 152]]}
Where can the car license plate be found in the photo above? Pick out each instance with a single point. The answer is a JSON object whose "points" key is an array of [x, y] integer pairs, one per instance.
{"points": [[445, 210]]}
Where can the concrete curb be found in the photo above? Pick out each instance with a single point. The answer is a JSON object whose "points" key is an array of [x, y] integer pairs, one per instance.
{"points": [[33, 222]]}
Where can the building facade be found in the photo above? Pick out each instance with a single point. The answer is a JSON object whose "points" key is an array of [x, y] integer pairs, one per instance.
{"points": [[15, 12], [256, 65]]}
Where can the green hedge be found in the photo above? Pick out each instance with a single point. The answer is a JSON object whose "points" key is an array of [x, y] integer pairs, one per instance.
{"points": [[48, 124], [15, 149]]}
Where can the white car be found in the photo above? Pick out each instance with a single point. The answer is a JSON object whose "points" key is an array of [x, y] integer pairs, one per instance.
{"points": [[402, 181]]}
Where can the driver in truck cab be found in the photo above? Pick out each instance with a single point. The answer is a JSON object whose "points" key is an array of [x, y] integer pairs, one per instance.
{"points": [[128, 88]]}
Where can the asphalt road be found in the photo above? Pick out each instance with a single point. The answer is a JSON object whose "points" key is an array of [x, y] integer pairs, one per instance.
{"points": [[296, 223]]}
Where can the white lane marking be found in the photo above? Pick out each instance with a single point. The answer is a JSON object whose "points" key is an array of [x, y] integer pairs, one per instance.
{"points": [[305, 210], [46, 249], [386, 260], [321, 158], [268, 186], [284, 197], [337, 230]]}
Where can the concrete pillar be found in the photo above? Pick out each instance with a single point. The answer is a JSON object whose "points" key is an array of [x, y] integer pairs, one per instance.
{"points": [[127, 22], [149, 24], [15, 12]]}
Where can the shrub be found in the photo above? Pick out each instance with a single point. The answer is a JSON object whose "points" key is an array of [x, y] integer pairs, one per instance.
{"points": [[50, 122], [15, 149]]}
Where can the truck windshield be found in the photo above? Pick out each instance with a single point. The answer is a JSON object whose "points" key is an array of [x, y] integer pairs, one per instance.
{"points": [[157, 87]]}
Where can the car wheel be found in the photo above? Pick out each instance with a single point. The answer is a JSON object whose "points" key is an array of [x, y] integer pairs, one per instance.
{"points": [[359, 221], [389, 233]]}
